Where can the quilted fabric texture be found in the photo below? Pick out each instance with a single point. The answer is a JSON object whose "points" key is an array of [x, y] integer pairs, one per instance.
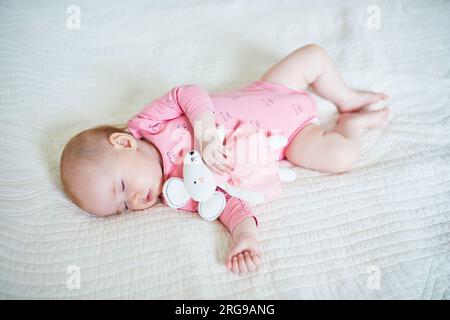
{"points": [[380, 231]]}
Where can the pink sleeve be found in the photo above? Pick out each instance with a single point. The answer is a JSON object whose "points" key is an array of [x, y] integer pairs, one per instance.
{"points": [[190, 100], [235, 211]]}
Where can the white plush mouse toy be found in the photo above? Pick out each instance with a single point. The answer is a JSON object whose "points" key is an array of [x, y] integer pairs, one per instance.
{"points": [[200, 185]]}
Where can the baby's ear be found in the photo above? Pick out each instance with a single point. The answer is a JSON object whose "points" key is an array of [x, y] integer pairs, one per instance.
{"points": [[121, 140]]}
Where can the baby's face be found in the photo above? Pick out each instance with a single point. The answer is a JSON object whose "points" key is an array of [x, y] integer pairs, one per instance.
{"points": [[130, 180]]}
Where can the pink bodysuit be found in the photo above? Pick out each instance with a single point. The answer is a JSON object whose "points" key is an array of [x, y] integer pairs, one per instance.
{"points": [[166, 123]]}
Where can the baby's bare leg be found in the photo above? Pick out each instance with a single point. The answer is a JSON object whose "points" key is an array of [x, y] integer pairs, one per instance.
{"points": [[337, 150], [311, 66]]}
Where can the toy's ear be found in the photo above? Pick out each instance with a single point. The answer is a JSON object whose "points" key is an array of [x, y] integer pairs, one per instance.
{"points": [[213, 207], [247, 195], [174, 193]]}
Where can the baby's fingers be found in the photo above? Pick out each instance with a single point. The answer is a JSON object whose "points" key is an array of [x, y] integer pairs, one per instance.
{"points": [[221, 168], [228, 163], [217, 167], [214, 169], [242, 263], [250, 264], [235, 265], [228, 264], [211, 164], [256, 259]]}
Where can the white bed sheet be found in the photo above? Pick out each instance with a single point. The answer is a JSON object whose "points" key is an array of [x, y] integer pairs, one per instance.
{"points": [[381, 231]]}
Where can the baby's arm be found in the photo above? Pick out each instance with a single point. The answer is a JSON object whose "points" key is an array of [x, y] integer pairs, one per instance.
{"points": [[190, 100], [194, 102], [244, 254]]}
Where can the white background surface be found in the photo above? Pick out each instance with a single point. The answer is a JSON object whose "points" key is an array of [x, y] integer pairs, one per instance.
{"points": [[320, 240]]}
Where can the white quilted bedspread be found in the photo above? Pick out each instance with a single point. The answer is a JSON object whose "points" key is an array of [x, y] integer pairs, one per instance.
{"points": [[381, 231]]}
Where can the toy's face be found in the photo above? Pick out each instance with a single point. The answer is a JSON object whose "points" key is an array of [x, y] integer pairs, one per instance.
{"points": [[198, 179], [193, 157]]}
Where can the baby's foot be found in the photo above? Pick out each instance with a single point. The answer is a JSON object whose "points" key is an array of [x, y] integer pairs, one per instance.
{"points": [[244, 255], [353, 125], [360, 99]]}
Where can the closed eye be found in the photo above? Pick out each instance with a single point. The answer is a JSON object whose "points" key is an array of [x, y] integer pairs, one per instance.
{"points": [[123, 189]]}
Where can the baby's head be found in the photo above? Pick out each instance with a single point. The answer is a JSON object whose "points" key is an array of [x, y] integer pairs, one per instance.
{"points": [[105, 170]]}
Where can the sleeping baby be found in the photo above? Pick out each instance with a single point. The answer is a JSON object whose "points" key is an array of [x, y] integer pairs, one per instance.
{"points": [[124, 168]]}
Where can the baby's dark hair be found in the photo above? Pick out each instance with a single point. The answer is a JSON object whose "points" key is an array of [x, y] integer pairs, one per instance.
{"points": [[87, 147]]}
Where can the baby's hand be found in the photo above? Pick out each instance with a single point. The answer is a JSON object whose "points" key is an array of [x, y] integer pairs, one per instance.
{"points": [[213, 155], [244, 254]]}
